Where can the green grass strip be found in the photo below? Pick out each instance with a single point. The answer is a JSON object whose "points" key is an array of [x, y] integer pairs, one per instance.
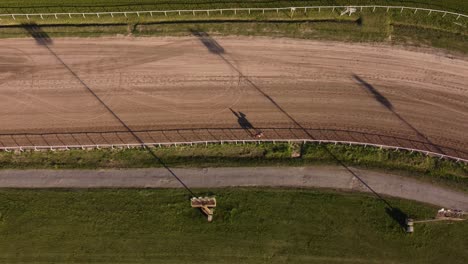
{"points": [[407, 28], [449, 173], [37, 6], [250, 226]]}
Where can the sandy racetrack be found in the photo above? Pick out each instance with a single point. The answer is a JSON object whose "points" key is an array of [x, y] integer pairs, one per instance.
{"points": [[71, 91]]}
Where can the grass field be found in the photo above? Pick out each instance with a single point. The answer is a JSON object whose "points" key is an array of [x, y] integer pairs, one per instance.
{"points": [[250, 226], [32, 6], [418, 29], [438, 171]]}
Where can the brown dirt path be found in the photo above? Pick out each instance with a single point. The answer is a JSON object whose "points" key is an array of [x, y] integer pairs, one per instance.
{"points": [[181, 89]]}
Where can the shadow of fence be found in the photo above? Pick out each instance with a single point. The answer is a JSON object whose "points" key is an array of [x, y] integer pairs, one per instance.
{"points": [[117, 137]]}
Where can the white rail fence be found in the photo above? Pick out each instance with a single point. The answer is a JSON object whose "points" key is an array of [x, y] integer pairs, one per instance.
{"points": [[257, 141], [234, 11]]}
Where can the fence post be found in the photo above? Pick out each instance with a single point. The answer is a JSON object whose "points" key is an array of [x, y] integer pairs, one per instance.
{"points": [[84, 15], [125, 14], [70, 15], [138, 14], [458, 17], [41, 17], [416, 10], [444, 14], [373, 10], [401, 11], [388, 8]]}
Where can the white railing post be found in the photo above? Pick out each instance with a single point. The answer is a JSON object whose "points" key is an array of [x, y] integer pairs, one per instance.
{"points": [[374, 7]]}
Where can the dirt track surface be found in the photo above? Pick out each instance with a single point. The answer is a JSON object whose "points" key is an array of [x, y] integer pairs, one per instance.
{"points": [[74, 91], [319, 176]]}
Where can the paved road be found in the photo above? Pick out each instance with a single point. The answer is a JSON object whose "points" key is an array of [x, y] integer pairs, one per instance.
{"points": [[322, 176]]}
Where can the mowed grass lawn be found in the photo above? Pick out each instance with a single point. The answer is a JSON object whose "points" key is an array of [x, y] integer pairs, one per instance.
{"points": [[250, 226]]}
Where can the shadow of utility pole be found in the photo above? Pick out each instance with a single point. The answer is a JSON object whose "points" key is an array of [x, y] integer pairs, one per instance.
{"points": [[214, 47], [387, 104], [43, 39]]}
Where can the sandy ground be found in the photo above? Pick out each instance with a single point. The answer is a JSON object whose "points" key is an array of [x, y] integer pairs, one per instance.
{"points": [[319, 176], [92, 91]]}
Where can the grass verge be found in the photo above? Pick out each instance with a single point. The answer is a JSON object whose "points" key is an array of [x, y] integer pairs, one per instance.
{"points": [[250, 226], [449, 173], [36, 6], [394, 27]]}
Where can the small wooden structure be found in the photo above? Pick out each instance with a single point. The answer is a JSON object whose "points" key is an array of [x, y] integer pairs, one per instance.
{"points": [[205, 204]]}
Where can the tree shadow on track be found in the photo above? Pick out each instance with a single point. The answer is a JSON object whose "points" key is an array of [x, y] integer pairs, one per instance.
{"points": [[209, 43], [387, 104], [41, 37], [44, 40], [212, 45]]}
